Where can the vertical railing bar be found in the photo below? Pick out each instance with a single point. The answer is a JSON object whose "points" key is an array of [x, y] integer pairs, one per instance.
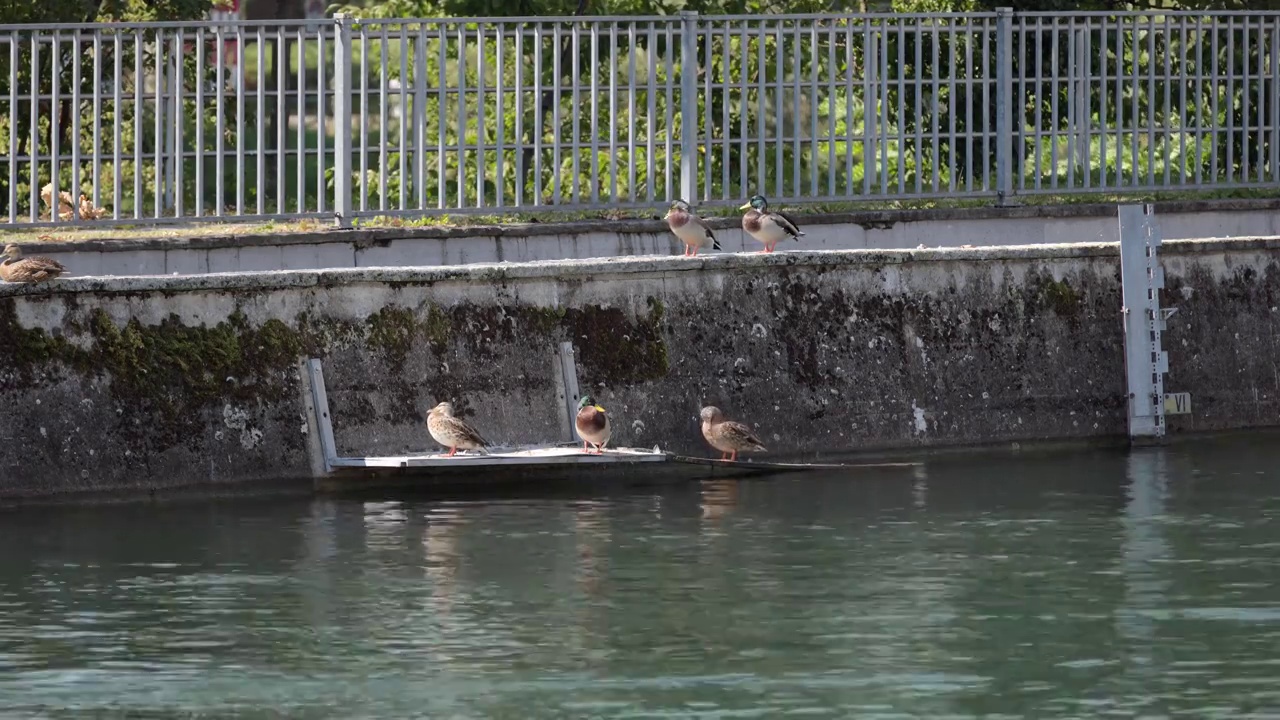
{"points": [[518, 141], [1102, 107], [1073, 109], [322, 63], [179, 158], [384, 38], [613, 111], [595, 113], [1134, 108], [159, 139], [13, 125], [1184, 77], [1119, 101], [441, 117], [882, 97], [1053, 105], [850, 185], [708, 135], [651, 96], [420, 118], [917, 92], [280, 66], [557, 90], [744, 125], [1038, 93], [1086, 77], [899, 109], [935, 124], [632, 122], [300, 156], [219, 162], [77, 55], [239, 170], [403, 128], [760, 182], [96, 187], [1026, 71], [55, 118], [726, 127], [1213, 122], [1151, 100], [1199, 111], [201, 40], [500, 117], [479, 93], [797, 93], [726, 77], [138, 92], [814, 70], [968, 109], [260, 116], [1230, 60], [779, 129], [538, 112], [1260, 102], [669, 115], [575, 91], [362, 34], [954, 83], [1275, 98], [830, 135], [34, 152]]}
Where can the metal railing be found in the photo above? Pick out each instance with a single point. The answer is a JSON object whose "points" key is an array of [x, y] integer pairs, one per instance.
{"points": [[357, 118]]}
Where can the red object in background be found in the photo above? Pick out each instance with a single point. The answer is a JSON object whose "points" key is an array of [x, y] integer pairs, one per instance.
{"points": [[226, 10]]}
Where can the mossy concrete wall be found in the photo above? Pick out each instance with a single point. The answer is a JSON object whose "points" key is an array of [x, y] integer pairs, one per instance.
{"points": [[154, 382]]}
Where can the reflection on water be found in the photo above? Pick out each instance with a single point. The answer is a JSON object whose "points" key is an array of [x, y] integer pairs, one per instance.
{"points": [[1047, 586]]}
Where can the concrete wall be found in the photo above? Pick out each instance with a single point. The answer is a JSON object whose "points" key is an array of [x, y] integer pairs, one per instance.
{"points": [[157, 382], [418, 247]]}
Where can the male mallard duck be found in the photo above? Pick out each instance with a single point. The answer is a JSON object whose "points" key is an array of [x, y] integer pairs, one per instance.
{"points": [[452, 432], [727, 436], [690, 228], [34, 269], [768, 227], [593, 425]]}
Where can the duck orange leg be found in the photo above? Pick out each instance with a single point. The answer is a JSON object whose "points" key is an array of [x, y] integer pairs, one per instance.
{"points": [[452, 450], [733, 457]]}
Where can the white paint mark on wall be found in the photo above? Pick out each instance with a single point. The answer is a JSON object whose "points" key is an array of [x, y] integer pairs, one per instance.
{"points": [[237, 419], [922, 425]]}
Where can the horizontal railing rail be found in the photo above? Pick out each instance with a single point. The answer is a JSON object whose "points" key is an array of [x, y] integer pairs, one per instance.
{"points": [[350, 118]]}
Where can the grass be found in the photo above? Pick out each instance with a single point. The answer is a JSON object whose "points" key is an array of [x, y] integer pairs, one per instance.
{"points": [[195, 230]]}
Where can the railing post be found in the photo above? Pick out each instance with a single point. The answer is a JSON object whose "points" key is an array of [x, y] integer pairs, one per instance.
{"points": [[1004, 106], [688, 106], [342, 112]]}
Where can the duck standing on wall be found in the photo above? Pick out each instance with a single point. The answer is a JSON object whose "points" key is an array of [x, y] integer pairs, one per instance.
{"points": [[727, 436], [451, 432], [690, 228], [768, 226], [592, 424], [34, 269]]}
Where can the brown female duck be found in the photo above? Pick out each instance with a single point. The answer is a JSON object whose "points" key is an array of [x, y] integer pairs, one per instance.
{"points": [[452, 432], [727, 436], [34, 269]]}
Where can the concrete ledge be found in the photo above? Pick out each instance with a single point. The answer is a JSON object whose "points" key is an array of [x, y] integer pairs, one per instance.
{"points": [[590, 268], [869, 219]]}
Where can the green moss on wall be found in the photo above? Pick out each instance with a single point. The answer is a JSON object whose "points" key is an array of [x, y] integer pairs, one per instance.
{"points": [[173, 369]]}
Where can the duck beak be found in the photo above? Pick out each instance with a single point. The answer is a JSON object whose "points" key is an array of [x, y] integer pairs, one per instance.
{"points": [[744, 207]]}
